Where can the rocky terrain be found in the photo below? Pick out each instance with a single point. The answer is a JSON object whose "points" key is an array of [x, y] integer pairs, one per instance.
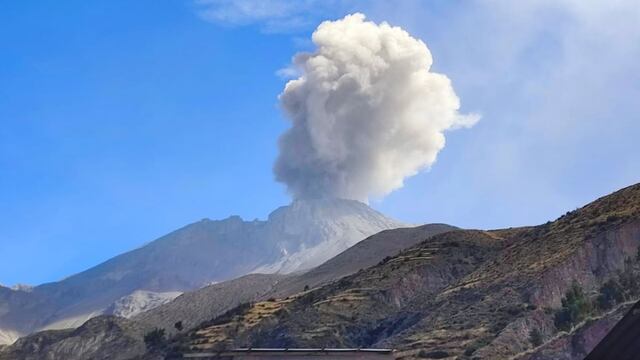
{"points": [[543, 292], [8, 336], [103, 338], [577, 343], [294, 238], [192, 308], [195, 307], [550, 291], [140, 301]]}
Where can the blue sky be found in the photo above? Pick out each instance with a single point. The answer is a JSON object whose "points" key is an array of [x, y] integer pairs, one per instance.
{"points": [[121, 121]]}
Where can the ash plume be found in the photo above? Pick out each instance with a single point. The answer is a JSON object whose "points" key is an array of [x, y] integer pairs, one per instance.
{"points": [[365, 112]]}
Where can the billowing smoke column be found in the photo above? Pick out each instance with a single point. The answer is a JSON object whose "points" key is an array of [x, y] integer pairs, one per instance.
{"points": [[366, 112]]}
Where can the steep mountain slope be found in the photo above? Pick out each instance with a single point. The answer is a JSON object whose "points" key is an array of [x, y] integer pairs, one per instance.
{"points": [[308, 233], [209, 302], [542, 292], [193, 308], [294, 238], [362, 255], [462, 294], [117, 338], [353, 312], [577, 343], [8, 336], [101, 338], [140, 301]]}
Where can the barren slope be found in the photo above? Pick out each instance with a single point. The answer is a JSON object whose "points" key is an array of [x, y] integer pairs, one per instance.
{"points": [[462, 294], [192, 308], [295, 237]]}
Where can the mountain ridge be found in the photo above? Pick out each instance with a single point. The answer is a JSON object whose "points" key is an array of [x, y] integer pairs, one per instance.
{"points": [[192, 308], [462, 294], [197, 254]]}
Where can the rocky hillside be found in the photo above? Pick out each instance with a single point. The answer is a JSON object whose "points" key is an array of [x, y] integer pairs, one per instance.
{"points": [[542, 292], [204, 304], [502, 294], [192, 308], [295, 237], [579, 341], [140, 301], [100, 338]]}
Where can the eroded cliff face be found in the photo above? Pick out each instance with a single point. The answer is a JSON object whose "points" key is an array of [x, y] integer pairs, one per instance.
{"points": [[578, 343], [596, 260], [593, 260]]}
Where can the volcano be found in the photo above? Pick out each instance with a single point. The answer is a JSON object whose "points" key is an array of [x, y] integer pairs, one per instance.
{"points": [[294, 238]]}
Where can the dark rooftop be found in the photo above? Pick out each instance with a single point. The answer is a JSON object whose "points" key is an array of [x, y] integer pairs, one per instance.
{"points": [[284, 351], [623, 341]]}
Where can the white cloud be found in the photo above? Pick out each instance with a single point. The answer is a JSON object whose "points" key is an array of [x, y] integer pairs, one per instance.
{"points": [[366, 112], [271, 15]]}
